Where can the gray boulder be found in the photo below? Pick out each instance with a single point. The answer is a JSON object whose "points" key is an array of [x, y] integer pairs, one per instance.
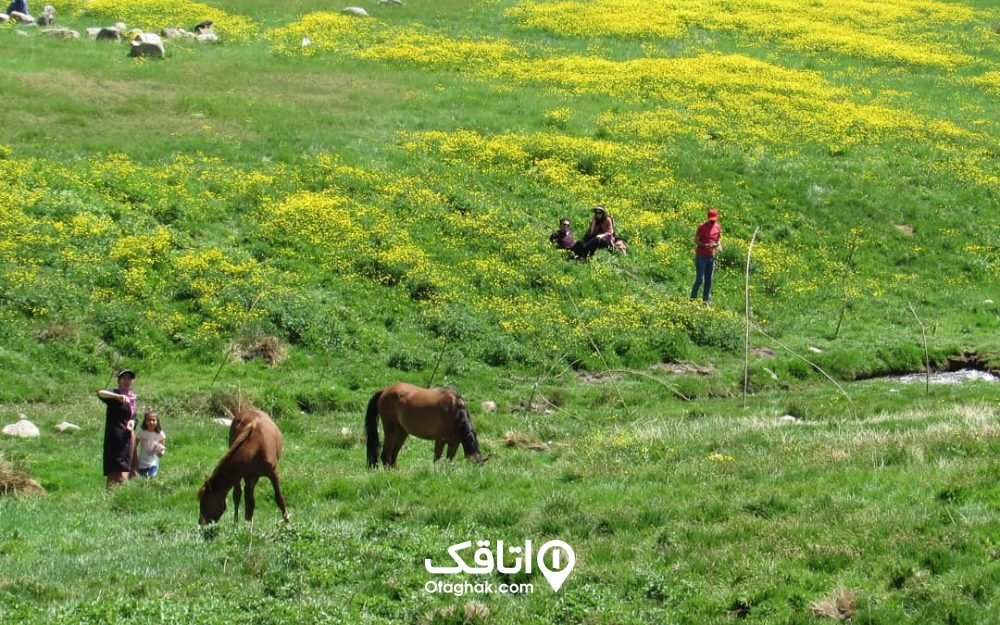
{"points": [[23, 18], [147, 44], [355, 11], [61, 33]]}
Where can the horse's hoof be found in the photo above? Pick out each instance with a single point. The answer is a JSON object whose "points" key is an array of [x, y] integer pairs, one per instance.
{"points": [[287, 518]]}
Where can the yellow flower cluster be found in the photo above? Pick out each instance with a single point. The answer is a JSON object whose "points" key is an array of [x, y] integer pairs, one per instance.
{"points": [[880, 31], [157, 14], [326, 32]]}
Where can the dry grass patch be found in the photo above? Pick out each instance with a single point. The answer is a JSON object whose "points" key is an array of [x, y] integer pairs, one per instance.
{"points": [[840, 605], [15, 482]]}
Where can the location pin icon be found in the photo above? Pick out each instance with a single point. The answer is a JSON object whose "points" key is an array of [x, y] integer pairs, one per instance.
{"points": [[563, 559]]}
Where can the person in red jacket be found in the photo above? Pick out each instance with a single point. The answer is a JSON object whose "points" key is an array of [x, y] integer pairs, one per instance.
{"points": [[708, 241]]}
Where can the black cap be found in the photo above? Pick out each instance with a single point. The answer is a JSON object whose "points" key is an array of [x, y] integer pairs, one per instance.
{"points": [[127, 372]]}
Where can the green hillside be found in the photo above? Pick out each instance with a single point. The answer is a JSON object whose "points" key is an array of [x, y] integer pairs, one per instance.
{"points": [[320, 205]]}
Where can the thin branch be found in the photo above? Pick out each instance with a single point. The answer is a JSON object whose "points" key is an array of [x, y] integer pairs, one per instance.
{"points": [[746, 337], [597, 349], [804, 359], [843, 285], [927, 357], [673, 389]]}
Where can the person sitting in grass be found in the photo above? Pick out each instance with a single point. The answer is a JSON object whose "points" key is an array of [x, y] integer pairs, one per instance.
{"points": [[600, 234], [563, 237]]}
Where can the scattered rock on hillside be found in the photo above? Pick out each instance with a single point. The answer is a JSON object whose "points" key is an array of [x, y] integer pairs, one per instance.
{"points": [[988, 302], [397, 3], [48, 16], [788, 419], [523, 441], [176, 33], [489, 406], [774, 376], [66, 426], [683, 368], [223, 421], [355, 11], [4, 18], [147, 44], [904, 228], [22, 428], [762, 352], [815, 350], [61, 33], [108, 34], [23, 18]]}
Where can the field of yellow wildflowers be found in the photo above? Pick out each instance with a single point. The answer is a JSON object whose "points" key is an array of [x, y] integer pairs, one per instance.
{"points": [[374, 196]]}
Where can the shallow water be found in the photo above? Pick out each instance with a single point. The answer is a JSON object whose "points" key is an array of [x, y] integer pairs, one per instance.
{"points": [[949, 377]]}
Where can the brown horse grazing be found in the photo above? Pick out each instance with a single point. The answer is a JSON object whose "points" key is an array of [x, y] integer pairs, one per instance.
{"points": [[435, 414], [254, 449]]}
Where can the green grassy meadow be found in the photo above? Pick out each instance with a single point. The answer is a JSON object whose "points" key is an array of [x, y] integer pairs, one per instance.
{"points": [[298, 226]]}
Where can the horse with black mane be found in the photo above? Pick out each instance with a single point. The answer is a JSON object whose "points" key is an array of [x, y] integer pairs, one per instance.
{"points": [[436, 414], [254, 450]]}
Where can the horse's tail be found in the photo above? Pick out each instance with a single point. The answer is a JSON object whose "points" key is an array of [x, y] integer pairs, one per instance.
{"points": [[371, 430], [466, 433]]}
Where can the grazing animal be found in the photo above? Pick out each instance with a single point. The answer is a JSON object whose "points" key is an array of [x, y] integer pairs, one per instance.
{"points": [[254, 450], [435, 414]]}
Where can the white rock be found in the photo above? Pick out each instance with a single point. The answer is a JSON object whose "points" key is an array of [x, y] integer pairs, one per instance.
{"points": [[66, 426], [24, 18], [815, 350], [223, 421], [4, 18], [147, 44], [92, 32], [22, 429], [397, 3], [355, 11], [788, 419], [206, 37], [306, 42], [988, 302], [20, 33], [489, 406], [345, 432]]}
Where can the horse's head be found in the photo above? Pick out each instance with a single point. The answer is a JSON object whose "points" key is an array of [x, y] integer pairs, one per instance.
{"points": [[213, 504]]}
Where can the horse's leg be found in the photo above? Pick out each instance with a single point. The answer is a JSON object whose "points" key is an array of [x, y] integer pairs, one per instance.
{"points": [[251, 483], [400, 439], [237, 493], [278, 498], [452, 449], [438, 448], [394, 436]]}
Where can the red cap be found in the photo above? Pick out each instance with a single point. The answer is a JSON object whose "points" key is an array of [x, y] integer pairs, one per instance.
{"points": [[713, 215]]}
